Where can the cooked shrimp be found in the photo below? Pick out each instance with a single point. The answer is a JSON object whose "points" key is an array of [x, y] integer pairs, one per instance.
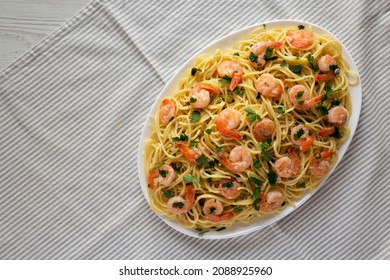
{"points": [[167, 111], [179, 205], [299, 97], [163, 175], [319, 166], [233, 70], [272, 200], [263, 130], [326, 131], [268, 86], [228, 120], [324, 64], [213, 210], [239, 159], [300, 135], [229, 189], [300, 39], [191, 154], [338, 116], [287, 166], [259, 50], [201, 93], [324, 77]]}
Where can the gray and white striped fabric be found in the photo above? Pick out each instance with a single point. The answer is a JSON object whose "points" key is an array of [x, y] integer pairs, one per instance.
{"points": [[71, 114]]}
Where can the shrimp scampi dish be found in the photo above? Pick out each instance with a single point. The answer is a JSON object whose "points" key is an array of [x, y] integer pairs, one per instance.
{"points": [[250, 129]]}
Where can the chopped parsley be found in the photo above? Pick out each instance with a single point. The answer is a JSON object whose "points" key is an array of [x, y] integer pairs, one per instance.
{"points": [[177, 168], [238, 209], [208, 131], [194, 143], [323, 110], [272, 177], [299, 95], [302, 185], [253, 57], [159, 164], [178, 205], [190, 179], [328, 89], [334, 68], [295, 68], [264, 149], [313, 63], [163, 173], [256, 163], [194, 70], [310, 132], [218, 148], [280, 110], [299, 134], [227, 185], [301, 27], [222, 99], [236, 54], [193, 99], [202, 160], [238, 91], [268, 54], [195, 116], [225, 80], [335, 102], [182, 138], [264, 26], [255, 181], [169, 194], [284, 63], [336, 133], [252, 116], [209, 180], [202, 231], [301, 102], [256, 193], [256, 204]]}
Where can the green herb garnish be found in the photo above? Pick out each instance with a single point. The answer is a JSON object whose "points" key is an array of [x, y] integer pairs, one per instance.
{"points": [[299, 95], [182, 138], [252, 116], [238, 209], [225, 80], [202, 160], [163, 173], [218, 148], [190, 179], [335, 102], [264, 150], [253, 57], [158, 164], [193, 99], [299, 134], [194, 70], [178, 205], [208, 131], [313, 63], [168, 194], [227, 185], [256, 193], [195, 116], [238, 91], [255, 204], [256, 163], [268, 54], [302, 185], [280, 110], [283, 64], [301, 27], [255, 181], [295, 68], [336, 133], [272, 177], [334, 68], [323, 110], [194, 143]]}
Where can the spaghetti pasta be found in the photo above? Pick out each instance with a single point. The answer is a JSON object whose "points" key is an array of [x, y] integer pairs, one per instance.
{"points": [[249, 129]]}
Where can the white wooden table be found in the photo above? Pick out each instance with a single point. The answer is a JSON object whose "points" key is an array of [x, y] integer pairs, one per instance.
{"points": [[23, 23]]}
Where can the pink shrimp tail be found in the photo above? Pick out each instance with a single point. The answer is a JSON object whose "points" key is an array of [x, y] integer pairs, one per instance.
{"points": [[236, 79], [219, 218], [324, 77]]}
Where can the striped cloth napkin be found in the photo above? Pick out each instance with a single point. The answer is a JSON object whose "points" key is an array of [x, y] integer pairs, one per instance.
{"points": [[71, 114]]}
